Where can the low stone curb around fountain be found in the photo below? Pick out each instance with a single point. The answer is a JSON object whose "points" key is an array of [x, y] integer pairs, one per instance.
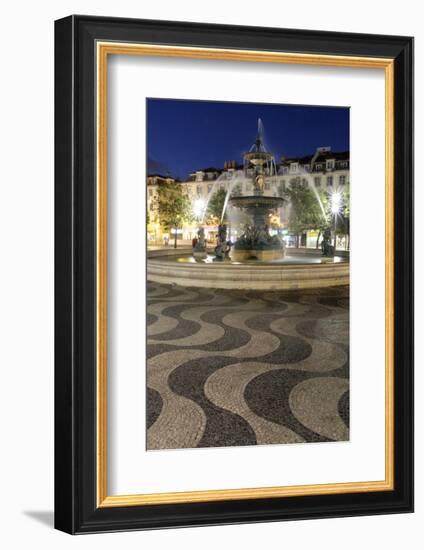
{"points": [[252, 276]]}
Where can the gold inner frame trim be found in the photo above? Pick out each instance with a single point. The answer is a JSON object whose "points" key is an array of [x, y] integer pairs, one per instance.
{"points": [[104, 49]]}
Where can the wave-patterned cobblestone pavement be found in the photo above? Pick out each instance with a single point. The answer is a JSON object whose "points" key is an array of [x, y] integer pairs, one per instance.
{"points": [[230, 368]]}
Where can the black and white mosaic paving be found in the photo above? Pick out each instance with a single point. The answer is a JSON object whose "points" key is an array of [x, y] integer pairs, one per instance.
{"points": [[231, 368]]}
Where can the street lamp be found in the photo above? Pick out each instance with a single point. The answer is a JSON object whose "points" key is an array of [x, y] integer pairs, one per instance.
{"points": [[336, 205], [198, 208]]}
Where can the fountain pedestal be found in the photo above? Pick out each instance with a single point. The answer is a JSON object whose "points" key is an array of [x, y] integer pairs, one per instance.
{"points": [[256, 242]]}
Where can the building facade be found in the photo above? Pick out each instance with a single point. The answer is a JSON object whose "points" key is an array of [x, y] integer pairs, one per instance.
{"points": [[324, 170], [155, 232]]}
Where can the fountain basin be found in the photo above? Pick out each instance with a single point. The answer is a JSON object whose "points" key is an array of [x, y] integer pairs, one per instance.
{"points": [[199, 255], [257, 201], [299, 271], [238, 255], [256, 243], [258, 158]]}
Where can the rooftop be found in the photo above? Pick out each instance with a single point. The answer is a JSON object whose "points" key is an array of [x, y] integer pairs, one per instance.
{"points": [[231, 165]]}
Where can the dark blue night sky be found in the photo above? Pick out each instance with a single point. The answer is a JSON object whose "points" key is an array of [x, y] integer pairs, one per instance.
{"points": [[184, 135]]}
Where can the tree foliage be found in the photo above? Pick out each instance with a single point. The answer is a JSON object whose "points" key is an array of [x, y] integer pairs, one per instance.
{"points": [[173, 206], [305, 212], [215, 206], [345, 213]]}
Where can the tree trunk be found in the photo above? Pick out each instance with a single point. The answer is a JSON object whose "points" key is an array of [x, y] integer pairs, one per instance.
{"points": [[175, 238], [319, 235]]}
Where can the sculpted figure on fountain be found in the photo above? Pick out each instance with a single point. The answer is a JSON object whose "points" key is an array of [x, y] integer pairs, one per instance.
{"points": [[221, 247], [199, 249], [326, 246]]}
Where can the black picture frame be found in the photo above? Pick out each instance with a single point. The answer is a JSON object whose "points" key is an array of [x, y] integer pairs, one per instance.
{"points": [[76, 510]]}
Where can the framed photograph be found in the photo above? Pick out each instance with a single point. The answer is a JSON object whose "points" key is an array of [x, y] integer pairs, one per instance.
{"points": [[234, 274]]}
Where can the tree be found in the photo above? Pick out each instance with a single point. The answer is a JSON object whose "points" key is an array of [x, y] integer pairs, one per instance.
{"points": [[343, 227], [305, 211], [346, 203], [323, 199], [174, 207], [311, 210], [215, 206]]}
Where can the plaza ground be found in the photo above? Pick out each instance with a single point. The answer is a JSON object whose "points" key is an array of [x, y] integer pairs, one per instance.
{"points": [[231, 368]]}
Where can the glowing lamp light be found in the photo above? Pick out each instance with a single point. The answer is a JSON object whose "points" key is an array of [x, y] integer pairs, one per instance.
{"points": [[198, 207], [336, 202]]}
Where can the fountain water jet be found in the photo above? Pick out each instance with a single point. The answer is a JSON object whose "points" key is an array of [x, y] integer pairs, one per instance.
{"points": [[236, 180], [215, 184]]}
